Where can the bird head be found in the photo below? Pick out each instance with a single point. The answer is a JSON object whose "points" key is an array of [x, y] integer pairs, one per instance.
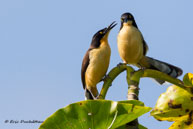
{"points": [[102, 35], [128, 19]]}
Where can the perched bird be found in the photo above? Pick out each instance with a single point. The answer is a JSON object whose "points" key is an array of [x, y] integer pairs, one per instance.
{"points": [[133, 48], [96, 62]]}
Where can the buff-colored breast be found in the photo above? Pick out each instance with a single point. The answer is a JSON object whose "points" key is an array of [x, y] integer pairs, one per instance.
{"points": [[98, 65], [130, 44]]}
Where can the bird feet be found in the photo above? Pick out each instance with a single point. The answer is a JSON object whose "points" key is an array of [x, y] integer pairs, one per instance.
{"points": [[118, 65]]}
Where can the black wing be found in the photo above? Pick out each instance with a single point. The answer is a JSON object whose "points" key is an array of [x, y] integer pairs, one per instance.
{"points": [[85, 64], [145, 47]]}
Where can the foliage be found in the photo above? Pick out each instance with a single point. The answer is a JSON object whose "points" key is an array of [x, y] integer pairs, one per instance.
{"points": [[176, 104], [95, 114]]}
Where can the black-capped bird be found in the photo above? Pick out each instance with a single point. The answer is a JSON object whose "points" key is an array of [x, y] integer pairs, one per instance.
{"points": [[133, 48], [96, 62]]}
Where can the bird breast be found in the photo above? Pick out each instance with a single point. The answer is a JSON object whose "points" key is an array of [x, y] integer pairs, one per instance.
{"points": [[98, 65], [130, 44]]}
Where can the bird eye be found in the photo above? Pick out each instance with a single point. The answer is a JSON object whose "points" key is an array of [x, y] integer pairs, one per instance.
{"points": [[130, 16], [101, 32]]}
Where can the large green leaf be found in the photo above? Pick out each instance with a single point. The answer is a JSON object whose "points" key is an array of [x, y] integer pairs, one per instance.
{"points": [[188, 79], [184, 122], [176, 104], [173, 104], [95, 114], [129, 111], [139, 126]]}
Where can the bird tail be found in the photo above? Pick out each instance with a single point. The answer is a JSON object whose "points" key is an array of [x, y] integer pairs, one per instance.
{"points": [[171, 70]]}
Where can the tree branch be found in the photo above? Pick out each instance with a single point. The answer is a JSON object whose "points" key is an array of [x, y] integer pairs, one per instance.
{"points": [[162, 76], [109, 79], [133, 79]]}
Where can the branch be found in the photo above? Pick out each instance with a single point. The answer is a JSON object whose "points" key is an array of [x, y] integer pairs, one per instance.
{"points": [[110, 77], [133, 79], [162, 76], [143, 73]]}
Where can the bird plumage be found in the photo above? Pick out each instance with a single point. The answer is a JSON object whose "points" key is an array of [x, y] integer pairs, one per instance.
{"points": [[133, 48], [95, 62]]}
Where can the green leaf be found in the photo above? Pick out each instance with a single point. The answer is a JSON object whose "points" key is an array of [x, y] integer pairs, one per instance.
{"points": [[173, 104], [95, 114], [184, 122], [134, 102], [188, 79], [128, 112], [176, 104], [139, 126]]}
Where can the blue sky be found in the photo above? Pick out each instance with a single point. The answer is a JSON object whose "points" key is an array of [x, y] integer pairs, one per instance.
{"points": [[42, 43]]}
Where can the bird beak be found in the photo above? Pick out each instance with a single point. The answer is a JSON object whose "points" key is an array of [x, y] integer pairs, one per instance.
{"points": [[113, 24]]}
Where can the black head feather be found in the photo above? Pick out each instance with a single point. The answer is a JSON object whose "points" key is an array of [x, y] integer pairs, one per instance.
{"points": [[127, 17]]}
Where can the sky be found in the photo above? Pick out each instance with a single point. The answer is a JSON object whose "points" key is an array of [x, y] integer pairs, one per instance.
{"points": [[42, 44]]}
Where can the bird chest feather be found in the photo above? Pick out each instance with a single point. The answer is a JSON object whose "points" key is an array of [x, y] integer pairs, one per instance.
{"points": [[130, 44], [99, 62]]}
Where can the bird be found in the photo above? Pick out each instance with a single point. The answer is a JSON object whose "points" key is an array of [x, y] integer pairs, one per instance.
{"points": [[96, 62], [133, 48]]}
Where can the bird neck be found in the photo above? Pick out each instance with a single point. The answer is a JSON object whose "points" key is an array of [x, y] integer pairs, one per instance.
{"points": [[104, 40]]}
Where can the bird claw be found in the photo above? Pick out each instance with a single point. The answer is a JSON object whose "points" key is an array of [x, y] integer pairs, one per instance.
{"points": [[118, 65], [141, 67], [106, 77]]}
